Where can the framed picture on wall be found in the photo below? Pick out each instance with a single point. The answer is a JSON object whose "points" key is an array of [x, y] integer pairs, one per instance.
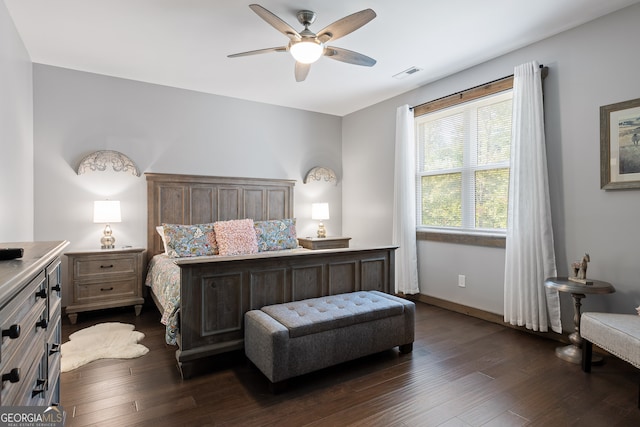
{"points": [[620, 145]]}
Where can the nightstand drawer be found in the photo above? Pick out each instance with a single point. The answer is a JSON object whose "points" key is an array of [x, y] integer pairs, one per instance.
{"points": [[105, 290], [92, 267]]}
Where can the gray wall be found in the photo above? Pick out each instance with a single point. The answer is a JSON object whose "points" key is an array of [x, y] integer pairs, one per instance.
{"points": [[164, 130], [593, 65], [16, 135]]}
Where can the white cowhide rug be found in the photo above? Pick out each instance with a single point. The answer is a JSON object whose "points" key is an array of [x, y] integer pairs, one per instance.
{"points": [[102, 341]]}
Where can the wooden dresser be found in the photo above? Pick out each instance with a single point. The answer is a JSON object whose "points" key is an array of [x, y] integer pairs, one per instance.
{"points": [[30, 307], [105, 278]]}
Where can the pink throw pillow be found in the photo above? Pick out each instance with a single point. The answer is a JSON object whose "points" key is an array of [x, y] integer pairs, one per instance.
{"points": [[236, 237]]}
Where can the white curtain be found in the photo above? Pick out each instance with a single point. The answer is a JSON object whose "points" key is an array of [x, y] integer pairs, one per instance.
{"points": [[404, 204], [530, 256]]}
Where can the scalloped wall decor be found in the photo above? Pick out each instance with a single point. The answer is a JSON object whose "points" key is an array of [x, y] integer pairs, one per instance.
{"points": [[321, 173], [98, 161]]}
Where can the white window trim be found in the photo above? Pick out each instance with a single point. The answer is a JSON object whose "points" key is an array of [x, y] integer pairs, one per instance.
{"points": [[469, 167]]}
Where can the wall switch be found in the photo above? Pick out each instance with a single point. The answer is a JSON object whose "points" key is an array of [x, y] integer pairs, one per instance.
{"points": [[462, 280]]}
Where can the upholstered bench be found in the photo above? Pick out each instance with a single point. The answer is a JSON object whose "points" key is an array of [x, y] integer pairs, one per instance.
{"points": [[618, 334], [295, 338]]}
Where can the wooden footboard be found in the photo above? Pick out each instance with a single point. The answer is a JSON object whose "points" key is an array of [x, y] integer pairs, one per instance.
{"points": [[215, 295]]}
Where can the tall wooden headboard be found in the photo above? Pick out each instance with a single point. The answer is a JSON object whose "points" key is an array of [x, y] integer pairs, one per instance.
{"points": [[195, 199]]}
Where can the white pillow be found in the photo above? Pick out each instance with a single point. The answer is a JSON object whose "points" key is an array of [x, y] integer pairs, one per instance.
{"points": [[160, 230]]}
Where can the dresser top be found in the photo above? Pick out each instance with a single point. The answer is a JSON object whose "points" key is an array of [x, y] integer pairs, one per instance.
{"points": [[15, 271]]}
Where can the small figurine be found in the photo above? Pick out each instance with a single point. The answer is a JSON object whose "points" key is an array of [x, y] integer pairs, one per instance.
{"points": [[580, 270]]}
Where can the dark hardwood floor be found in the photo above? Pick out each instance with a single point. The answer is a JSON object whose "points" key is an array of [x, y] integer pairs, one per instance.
{"points": [[462, 372]]}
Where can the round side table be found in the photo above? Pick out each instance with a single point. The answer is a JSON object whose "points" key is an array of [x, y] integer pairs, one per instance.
{"points": [[573, 352]]}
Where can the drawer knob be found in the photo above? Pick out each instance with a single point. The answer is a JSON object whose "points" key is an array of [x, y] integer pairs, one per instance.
{"points": [[41, 387], [42, 293], [13, 332], [55, 348], [107, 266], [13, 376], [42, 324], [56, 288]]}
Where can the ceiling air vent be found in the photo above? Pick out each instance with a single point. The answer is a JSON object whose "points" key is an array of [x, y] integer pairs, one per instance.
{"points": [[406, 73]]}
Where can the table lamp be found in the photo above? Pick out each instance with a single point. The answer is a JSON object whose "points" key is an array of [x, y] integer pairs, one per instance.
{"points": [[106, 212], [320, 212]]}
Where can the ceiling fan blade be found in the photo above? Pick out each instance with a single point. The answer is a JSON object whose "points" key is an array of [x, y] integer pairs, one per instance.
{"points": [[259, 51], [346, 25], [302, 70], [275, 22], [348, 56]]}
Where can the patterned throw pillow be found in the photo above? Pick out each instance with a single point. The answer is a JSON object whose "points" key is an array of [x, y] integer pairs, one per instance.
{"points": [[236, 237], [190, 240], [277, 234]]}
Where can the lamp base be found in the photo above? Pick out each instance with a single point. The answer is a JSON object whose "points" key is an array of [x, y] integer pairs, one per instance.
{"points": [[107, 239], [322, 232]]}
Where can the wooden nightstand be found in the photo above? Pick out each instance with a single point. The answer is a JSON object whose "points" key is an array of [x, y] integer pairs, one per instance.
{"points": [[104, 279], [324, 242]]}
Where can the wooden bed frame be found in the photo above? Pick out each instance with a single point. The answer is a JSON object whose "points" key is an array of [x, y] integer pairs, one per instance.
{"points": [[216, 292]]}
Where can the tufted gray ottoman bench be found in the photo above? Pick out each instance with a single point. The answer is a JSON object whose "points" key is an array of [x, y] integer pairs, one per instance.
{"points": [[290, 339]]}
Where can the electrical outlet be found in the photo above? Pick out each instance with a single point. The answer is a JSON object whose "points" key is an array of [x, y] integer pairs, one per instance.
{"points": [[462, 280]]}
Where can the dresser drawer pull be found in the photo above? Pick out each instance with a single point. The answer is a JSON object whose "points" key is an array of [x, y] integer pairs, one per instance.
{"points": [[13, 376], [13, 332], [106, 289], [55, 348], [42, 293], [56, 288], [107, 266], [42, 324], [41, 387]]}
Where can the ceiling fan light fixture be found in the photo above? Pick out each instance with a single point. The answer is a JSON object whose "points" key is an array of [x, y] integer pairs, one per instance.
{"points": [[306, 51], [306, 47]]}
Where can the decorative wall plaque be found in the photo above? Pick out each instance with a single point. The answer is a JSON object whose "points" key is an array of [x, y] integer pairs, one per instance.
{"points": [[99, 161], [321, 173]]}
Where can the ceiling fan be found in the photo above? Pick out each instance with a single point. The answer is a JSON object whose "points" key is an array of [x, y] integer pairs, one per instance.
{"points": [[307, 47]]}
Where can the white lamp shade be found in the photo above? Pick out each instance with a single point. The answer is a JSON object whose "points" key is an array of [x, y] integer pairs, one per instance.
{"points": [[306, 52], [320, 211], [106, 211]]}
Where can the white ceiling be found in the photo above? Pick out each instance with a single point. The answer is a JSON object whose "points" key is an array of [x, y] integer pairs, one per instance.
{"points": [[185, 43]]}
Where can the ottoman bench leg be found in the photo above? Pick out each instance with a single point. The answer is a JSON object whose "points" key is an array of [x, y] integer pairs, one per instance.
{"points": [[406, 348]]}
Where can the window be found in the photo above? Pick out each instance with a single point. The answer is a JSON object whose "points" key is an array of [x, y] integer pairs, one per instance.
{"points": [[463, 151]]}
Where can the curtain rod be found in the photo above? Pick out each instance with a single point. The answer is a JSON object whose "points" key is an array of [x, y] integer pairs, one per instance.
{"points": [[542, 67]]}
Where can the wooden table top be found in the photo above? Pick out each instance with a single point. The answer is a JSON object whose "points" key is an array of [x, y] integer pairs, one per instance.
{"points": [[563, 284]]}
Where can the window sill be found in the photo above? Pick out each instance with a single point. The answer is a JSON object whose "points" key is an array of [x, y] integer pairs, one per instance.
{"points": [[492, 241]]}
